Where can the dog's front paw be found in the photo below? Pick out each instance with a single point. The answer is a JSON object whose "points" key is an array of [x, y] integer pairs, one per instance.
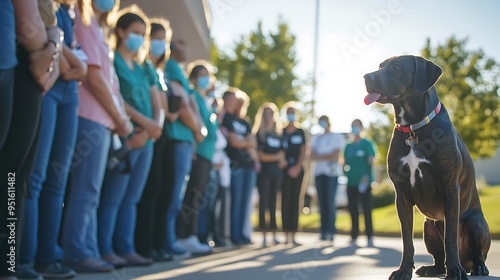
{"points": [[456, 273], [479, 269], [401, 274], [430, 270]]}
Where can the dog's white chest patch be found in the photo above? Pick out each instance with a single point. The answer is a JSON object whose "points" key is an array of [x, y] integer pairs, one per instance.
{"points": [[401, 115], [413, 162]]}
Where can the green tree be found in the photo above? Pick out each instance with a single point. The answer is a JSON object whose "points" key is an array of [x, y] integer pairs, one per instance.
{"points": [[262, 65], [469, 88]]}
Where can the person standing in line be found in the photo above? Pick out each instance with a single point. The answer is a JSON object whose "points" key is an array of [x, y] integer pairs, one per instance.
{"points": [[200, 76], [240, 142], [101, 112], [294, 143], [358, 162], [25, 76], [213, 219], [325, 152], [181, 139], [272, 161], [47, 185], [122, 189], [150, 226]]}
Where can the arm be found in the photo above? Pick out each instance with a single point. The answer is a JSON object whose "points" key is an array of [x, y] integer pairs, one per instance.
{"points": [[31, 33], [41, 42], [234, 141], [265, 157], [151, 126], [101, 90], [158, 111], [77, 68], [186, 114]]}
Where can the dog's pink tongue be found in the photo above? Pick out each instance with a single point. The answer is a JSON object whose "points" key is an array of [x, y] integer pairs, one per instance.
{"points": [[371, 97]]}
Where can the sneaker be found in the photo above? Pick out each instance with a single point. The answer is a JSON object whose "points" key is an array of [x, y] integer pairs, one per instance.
{"points": [[178, 252], [134, 259], [90, 265], [115, 260], [55, 270], [27, 272], [193, 245]]}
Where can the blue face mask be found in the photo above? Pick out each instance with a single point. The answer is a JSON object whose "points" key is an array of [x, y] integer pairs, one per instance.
{"points": [[134, 42], [104, 5], [356, 130], [323, 124], [158, 47], [203, 82], [290, 117]]}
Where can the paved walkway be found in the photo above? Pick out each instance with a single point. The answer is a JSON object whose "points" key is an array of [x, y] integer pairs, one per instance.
{"points": [[312, 260]]}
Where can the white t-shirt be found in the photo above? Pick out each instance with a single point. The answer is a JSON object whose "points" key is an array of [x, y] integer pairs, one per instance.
{"points": [[323, 144]]}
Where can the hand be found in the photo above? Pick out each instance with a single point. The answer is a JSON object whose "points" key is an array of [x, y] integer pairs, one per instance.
{"points": [[63, 66], [124, 128], [153, 129], [252, 141], [198, 136], [282, 163], [52, 78], [40, 63], [138, 139], [294, 171]]}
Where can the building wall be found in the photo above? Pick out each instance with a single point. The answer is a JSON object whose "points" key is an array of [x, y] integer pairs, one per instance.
{"points": [[190, 21]]}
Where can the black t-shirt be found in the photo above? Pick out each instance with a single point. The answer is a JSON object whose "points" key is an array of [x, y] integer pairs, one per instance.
{"points": [[292, 144], [238, 157], [269, 143]]}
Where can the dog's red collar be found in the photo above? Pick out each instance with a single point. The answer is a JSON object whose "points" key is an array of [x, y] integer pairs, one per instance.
{"points": [[426, 120]]}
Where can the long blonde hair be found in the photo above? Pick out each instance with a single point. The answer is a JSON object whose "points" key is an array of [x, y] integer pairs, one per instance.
{"points": [[87, 12], [261, 126]]}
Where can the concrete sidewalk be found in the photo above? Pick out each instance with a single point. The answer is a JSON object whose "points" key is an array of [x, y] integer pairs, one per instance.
{"points": [[312, 260]]}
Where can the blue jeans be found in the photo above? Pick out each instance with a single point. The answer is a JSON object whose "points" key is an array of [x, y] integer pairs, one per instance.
{"points": [[48, 181], [180, 165], [117, 211], [79, 229], [326, 187], [242, 183]]}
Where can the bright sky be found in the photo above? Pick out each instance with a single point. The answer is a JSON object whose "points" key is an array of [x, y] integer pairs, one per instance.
{"points": [[355, 36]]}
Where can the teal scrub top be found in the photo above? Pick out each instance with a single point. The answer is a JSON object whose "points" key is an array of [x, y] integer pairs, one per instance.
{"points": [[356, 157], [135, 86], [154, 79], [206, 148], [176, 130]]}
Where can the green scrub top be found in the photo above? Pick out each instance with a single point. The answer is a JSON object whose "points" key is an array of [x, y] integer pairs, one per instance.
{"points": [[356, 161], [135, 86], [206, 148], [176, 130]]}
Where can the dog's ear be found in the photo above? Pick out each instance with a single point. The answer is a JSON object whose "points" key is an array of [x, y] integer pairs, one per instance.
{"points": [[426, 74]]}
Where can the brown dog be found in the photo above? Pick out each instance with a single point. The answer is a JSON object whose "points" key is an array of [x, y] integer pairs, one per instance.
{"points": [[431, 169]]}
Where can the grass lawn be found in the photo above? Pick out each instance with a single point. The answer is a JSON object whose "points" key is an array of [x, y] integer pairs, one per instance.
{"points": [[385, 220]]}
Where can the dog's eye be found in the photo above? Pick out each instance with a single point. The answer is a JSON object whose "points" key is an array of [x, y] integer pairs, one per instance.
{"points": [[396, 67]]}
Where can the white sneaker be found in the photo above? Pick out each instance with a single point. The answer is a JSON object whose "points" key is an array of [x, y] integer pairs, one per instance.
{"points": [[192, 244]]}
